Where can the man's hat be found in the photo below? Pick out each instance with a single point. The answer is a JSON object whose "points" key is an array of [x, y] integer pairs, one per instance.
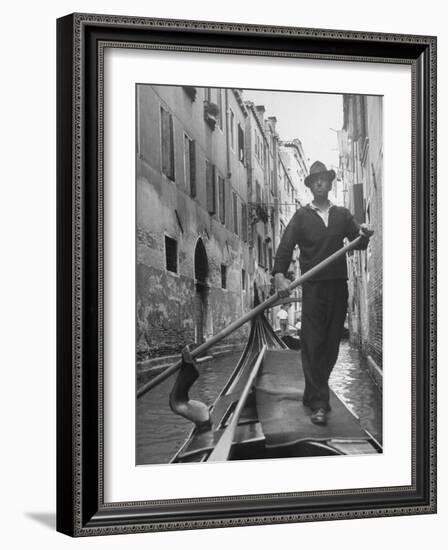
{"points": [[319, 169]]}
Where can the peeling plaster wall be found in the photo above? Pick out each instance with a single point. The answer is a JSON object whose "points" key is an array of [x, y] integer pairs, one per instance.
{"points": [[165, 301]]}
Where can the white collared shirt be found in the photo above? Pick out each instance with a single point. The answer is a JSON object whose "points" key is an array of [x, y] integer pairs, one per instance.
{"points": [[323, 213]]}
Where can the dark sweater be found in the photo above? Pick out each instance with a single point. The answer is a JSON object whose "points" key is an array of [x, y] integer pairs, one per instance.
{"points": [[316, 242]]}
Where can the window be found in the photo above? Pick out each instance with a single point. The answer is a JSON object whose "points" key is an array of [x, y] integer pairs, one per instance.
{"points": [[235, 213], [190, 165], [240, 144], [171, 254], [219, 98], [223, 276], [243, 279], [232, 129], [210, 187], [265, 254], [260, 250], [270, 258], [167, 144], [244, 222], [222, 199], [257, 192]]}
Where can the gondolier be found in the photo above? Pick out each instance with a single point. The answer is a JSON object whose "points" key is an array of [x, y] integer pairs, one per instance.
{"points": [[319, 229]]}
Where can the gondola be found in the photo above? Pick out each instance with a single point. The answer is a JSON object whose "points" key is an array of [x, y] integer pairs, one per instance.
{"points": [[259, 413]]}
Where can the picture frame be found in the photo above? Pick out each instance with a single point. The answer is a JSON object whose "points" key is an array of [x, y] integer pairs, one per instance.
{"points": [[81, 506]]}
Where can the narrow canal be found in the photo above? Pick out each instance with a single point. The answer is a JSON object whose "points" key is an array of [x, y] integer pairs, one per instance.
{"points": [[160, 433]]}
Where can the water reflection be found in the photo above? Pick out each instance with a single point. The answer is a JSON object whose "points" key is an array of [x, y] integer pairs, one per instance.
{"points": [[160, 433], [351, 381]]}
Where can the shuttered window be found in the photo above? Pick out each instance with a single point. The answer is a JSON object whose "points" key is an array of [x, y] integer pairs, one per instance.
{"points": [[167, 144], [240, 144], [190, 165], [219, 101], [257, 192], [210, 187], [260, 251], [244, 222], [235, 213], [232, 129], [222, 199]]}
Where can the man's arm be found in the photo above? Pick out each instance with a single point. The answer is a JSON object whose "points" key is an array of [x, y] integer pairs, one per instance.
{"points": [[284, 254], [355, 230]]}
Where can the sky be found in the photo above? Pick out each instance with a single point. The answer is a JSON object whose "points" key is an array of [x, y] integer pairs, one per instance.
{"points": [[311, 117]]}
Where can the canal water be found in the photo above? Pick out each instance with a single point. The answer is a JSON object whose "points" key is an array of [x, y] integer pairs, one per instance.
{"points": [[160, 433]]}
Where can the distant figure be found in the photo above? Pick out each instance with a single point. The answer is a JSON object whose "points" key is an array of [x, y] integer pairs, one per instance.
{"points": [[319, 229], [283, 316], [298, 326]]}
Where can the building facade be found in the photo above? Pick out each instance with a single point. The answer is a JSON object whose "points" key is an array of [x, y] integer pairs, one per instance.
{"points": [[208, 172], [297, 167], [261, 193], [361, 174], [192, 250]]}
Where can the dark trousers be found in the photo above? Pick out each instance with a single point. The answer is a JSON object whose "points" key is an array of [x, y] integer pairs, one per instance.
{"points": [[324, 307]]}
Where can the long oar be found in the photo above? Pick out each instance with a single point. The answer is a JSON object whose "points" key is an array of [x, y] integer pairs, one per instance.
{"points": [[248, 316]]}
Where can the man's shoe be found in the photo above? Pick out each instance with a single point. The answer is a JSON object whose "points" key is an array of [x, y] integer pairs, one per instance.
{"points": [[319, 416]]}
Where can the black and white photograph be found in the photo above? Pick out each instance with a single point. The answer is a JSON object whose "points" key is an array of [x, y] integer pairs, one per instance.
{"points": [[259, 274], [222, 286]]}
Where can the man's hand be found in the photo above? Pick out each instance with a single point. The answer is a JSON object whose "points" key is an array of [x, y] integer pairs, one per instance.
{"points": [[281, 285], [365, 230]]}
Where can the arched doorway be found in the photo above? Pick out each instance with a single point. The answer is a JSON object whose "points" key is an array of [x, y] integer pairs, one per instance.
{"points": [[201, 291]]}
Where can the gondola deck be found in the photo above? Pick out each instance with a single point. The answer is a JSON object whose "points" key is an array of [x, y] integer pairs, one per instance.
{"points": [[284, 418]]}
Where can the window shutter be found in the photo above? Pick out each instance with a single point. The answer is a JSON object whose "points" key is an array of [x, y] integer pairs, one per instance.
{"points": [[167, 144], [219, 97], [207, 185], [171, 137], [244, 222], [213, 187], [235, 213], [192, 168], [210, 188], [222, 199]]}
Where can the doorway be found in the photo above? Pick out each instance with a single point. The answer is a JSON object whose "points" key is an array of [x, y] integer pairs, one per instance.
{"points": [[201, 291]]}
